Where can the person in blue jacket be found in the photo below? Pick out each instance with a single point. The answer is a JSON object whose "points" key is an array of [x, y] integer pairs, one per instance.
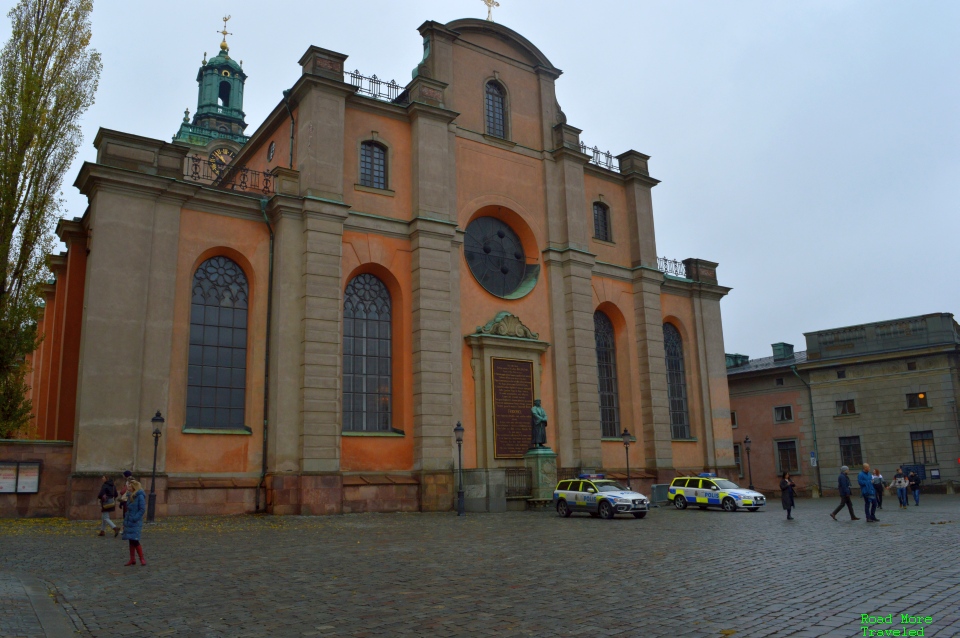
{"points": [[843, 484], [865, 480], [133, 520]]}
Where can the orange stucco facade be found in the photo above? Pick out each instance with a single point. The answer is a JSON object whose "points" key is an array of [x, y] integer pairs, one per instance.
{"points": [[318, 225]]}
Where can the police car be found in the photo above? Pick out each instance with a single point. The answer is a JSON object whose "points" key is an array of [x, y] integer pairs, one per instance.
{"points": [[598, 496], [706, 490]]}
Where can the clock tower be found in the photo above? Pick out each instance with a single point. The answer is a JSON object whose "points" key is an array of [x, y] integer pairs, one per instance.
{"points": [[218, 123]]}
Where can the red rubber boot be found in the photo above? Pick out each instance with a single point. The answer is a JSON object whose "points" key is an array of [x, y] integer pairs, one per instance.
{"points": [[132, 561], [143, 561]]}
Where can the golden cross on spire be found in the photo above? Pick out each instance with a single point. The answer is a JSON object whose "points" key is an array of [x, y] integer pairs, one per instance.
{"points": [[490, 5], [223, 45]]}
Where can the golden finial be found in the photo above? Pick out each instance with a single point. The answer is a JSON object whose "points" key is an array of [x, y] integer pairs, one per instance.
{"points": [[490, 5], [225, 33], [204, 58]]}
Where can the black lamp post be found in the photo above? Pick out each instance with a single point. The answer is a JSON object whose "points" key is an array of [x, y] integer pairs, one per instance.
{"points": [[626, 448], [157, 421], [458, 432], [746, 445]]}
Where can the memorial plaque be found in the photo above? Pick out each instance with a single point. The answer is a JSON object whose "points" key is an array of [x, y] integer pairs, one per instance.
{"points": [[512, 400], [8, 478], [28, 478]]}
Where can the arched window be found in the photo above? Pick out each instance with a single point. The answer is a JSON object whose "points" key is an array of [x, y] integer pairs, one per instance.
{"points": [[216, 377], [607, 375], [224, 95], [366, 355], [676, 383], [496, 118], [373, 165], [601, 221]]}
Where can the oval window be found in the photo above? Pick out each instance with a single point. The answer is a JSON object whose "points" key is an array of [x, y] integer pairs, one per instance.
{"points": [[496, 258]]}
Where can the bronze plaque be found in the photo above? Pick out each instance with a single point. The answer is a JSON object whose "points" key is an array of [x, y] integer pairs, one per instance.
{"points": [[512, 400]]}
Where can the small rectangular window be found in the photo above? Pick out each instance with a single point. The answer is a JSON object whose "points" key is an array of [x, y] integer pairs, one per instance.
{"points": [[917, 400], [848, 406], [787, 459], [850, 454], [733, 419], [911, 365], [841, 374], [782, 414], [779, 381], [923, 450]]}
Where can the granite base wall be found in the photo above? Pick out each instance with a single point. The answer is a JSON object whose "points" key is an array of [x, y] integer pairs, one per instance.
{"points": [[55, 459]]}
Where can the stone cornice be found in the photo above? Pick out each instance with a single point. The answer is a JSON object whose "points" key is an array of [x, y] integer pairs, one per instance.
{"points": [[426, 226], [359, 221], [307, 82], [507, 146], [858, 358], [378, 107], [694, 289], [568, 254], [564, 153], [71, 230], [419, 109]]}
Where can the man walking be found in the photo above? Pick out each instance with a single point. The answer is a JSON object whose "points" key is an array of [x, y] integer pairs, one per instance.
{"points": [[865, 480], [915, 483], [843, 484]]}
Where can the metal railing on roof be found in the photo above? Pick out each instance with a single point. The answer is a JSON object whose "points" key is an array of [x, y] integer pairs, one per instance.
{"points": [[671, 267], [227, 177], [374, 87], [600, 158]]}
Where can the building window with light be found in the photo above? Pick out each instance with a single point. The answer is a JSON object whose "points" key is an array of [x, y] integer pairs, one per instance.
{"points": [[917, 400], [367, 355]]}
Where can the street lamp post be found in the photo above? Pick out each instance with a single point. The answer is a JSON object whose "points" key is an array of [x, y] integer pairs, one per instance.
{"points": [[458, 432], [157, 421], [626, 447], [746, 445]]}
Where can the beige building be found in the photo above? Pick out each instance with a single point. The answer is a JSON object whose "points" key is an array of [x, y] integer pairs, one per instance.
{"points": [[314, 307], [883, 393]]}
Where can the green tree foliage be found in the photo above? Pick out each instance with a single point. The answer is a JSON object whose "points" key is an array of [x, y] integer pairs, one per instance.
{"points": [[48, 78]]}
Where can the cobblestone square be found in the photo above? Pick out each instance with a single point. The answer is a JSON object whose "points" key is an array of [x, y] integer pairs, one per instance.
{"points": [[689, 573]]}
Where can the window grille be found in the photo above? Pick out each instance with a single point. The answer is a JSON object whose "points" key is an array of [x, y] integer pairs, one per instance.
{"points": [[217, 364], [676, 383], [373, 165], [923, 450], [496, 122], [601, 221], [787, 459], [607, 375], [367, 355], [850, 454]]}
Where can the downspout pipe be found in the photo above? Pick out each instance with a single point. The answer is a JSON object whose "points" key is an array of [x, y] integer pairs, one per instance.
{"points": [[266, 362], [286, 103], [813, 422]]}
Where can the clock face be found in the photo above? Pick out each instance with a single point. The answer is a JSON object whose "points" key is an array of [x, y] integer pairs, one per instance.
{"points": [[219, 159]]}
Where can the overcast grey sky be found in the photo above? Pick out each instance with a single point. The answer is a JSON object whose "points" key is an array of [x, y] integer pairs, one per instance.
{"points": [[811, 148]]}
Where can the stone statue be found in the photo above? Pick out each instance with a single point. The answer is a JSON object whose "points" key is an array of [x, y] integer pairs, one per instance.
{"points": [[539, 422]]}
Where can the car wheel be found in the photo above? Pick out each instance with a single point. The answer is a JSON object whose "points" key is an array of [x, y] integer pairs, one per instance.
{"points": [[753, 509], [639, 514], [606, 510], [680, 503], [563, 509], [729, 505]]}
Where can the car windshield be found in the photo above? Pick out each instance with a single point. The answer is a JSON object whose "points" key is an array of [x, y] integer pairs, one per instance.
{"points": [[610, 486], [726, 485]]}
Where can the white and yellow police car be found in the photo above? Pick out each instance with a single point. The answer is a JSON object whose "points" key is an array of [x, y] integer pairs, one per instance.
{"points": [[598, 496], [706, 490]]}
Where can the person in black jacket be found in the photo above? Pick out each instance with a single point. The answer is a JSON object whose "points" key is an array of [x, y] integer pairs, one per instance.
{"points": [[843, 484], [914, 481], [108, 503], [787, 494]]}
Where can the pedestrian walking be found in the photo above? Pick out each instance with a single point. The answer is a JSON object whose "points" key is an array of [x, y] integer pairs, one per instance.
{"points": [[900, 483], [878, 487], [843, 484], [124, 496], [133, 520], [787, 494], [865, 480], [914, 485], [108, 504]]}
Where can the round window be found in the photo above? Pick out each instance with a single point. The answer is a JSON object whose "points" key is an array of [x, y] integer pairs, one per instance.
{"points": [[495, 256]]}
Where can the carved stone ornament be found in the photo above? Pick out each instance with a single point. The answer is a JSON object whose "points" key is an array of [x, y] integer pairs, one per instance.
{"points": [[329, 65], [431, 93], [506, 325]]}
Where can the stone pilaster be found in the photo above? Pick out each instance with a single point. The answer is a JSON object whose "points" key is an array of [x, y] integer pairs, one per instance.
{"points": [[652, 367], [643, 241], [321, 331]]}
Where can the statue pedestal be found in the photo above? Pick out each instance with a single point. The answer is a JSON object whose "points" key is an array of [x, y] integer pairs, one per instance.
{"points": [[542, 463]]}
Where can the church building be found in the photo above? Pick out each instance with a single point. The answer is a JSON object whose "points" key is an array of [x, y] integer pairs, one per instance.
{"points": [[312, 308]]}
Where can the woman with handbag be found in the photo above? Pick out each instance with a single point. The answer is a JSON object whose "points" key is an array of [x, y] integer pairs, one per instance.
{"points": [[787, 494], [133, 520], [108, 503]]}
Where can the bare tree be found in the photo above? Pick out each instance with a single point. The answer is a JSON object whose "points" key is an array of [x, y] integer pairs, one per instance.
{"points": [[48, 78]]}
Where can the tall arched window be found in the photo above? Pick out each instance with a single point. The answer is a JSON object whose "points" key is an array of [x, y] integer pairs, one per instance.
{"points": [[607, 375], [216, 377], [366, 355], [676, 383], [601, 221], [373, 165], [496, 111]]}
